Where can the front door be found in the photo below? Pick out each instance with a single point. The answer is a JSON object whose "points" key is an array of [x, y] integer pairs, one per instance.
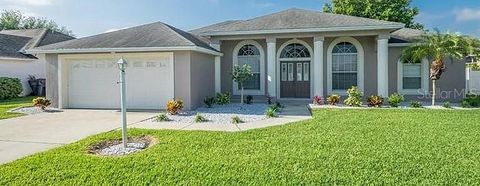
{"points": [[295, 79]]}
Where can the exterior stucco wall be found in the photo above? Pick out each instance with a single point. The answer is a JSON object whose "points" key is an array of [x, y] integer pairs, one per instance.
{"points": [[227, 48], [450, 87], [21, 69], [202, 78], [182, 81], [51, 67]]}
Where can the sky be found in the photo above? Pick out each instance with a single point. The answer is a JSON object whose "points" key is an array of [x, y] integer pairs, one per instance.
{"points": [[90, 17]]}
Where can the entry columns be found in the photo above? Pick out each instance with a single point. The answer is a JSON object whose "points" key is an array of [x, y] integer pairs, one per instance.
{"points": [[271, 66], [317, 69], [382, 65]]}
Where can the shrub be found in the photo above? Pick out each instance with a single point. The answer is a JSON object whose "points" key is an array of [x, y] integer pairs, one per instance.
{"points": [[274, 107], [472, 100], [447, 105], [10, 88], [271, 112], [223, 98], [333, 99], [354, 97], [395, 99], [161, 117], [236, 120], [200, 119], [209, 101], [249, 99], [375, 101], [317, 100], [174, 106], [465, 104], [416, 104], [269, 99], [41, 102], [278, 104]]}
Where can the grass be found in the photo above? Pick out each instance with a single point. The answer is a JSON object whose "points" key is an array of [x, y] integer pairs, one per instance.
{"points": [[338, 146], [6, 105]]}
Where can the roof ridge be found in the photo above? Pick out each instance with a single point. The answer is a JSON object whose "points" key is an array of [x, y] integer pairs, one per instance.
{"points": [[178, 34]]}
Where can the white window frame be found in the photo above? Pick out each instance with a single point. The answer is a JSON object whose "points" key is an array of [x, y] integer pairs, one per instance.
{"points": [[424, 90], [310, 59], [236, 90], [360, 64]]}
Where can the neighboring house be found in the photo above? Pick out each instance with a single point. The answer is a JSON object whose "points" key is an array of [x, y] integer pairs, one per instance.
{"points": [[294, 54], [15, 63]]}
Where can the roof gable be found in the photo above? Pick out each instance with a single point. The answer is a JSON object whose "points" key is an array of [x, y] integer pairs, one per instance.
{"points": [[295, 19], [153, 35]]}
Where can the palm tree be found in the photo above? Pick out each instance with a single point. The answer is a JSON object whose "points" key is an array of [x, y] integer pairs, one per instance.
{"points": [[437, 47]]}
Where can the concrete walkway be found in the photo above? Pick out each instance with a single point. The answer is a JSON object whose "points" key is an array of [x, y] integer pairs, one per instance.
{"points": [[293, 111], [23, 136]]}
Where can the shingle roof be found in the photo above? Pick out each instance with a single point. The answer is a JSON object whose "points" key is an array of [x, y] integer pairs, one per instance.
{"points": [[13, 43], [406, 35], [151, 35], [295, 19]]}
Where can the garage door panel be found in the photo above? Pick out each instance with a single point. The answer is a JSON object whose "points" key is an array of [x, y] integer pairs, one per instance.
{"points": [[93, 83]]}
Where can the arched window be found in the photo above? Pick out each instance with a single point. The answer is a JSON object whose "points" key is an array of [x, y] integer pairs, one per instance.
{"points": [[344, 66], [295, 50], [250, 55]]}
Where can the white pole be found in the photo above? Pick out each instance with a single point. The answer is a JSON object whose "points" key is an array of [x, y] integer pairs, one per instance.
{"points": [[123, 107]]}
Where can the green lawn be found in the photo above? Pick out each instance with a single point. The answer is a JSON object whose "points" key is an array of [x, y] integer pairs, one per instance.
{"points": [[6, 105], [364, 146]]}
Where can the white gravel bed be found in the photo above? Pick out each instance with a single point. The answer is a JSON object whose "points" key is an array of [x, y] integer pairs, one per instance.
{"points": [[222, 114], [33, 110], [118, 150]]}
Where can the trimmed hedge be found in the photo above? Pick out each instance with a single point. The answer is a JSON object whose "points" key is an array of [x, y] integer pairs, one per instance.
{"points": [[10, 88]]}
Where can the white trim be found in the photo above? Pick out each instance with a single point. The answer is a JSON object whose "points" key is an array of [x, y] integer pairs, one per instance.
{"points": [[303, 30], [237, 48], [425, 85], [132, 49], [400, 44], [279, 51], [360, 64]]}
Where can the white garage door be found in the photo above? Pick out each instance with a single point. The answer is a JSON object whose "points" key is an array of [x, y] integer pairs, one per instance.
{"points": [[92, 82]]}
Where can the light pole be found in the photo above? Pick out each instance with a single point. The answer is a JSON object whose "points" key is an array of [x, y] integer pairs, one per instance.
{"points": [[121, 66]]}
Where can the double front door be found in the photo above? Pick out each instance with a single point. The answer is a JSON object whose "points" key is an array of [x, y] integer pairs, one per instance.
{"points": [[295, 79]]}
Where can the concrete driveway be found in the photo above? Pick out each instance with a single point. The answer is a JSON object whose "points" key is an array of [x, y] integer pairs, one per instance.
{"points": [[23, 136]]}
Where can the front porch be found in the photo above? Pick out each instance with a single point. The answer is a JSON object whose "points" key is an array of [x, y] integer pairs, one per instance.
{"points": [[289, 67]]}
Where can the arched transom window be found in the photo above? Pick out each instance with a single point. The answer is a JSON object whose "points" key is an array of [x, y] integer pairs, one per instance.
{"points": [[295, 50], [250, 55], [344, 66]]}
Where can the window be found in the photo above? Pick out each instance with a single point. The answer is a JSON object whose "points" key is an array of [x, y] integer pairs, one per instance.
{"points": [[295, 50], [306, 71], [412, 76], [344, 66], [250, 55]]}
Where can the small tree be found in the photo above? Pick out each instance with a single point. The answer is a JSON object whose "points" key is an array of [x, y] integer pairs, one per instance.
{"points": [[242, 74], [437, 47]]}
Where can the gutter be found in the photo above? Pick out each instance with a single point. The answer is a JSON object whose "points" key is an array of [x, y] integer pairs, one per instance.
{"points": [[132, 49], [302, 30]]}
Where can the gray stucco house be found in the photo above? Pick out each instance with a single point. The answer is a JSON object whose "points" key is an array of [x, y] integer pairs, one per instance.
{"points": [[294, 54]]}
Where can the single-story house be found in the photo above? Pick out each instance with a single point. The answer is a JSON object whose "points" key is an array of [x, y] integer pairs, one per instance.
{"points": [[294, 54], [15, 63]]}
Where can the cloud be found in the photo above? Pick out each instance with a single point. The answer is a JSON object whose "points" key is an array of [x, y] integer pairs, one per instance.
{"points": [[27, 2], [467, 14]]}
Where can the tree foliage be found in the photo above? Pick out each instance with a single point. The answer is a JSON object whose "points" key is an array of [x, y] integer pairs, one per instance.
{"points": [[388, 10], [242, 74], [14, 19]]}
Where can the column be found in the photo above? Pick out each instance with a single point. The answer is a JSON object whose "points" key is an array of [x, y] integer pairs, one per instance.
{"points": [[271, 66], [317, 65], [218, 68], [382, 66]]}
